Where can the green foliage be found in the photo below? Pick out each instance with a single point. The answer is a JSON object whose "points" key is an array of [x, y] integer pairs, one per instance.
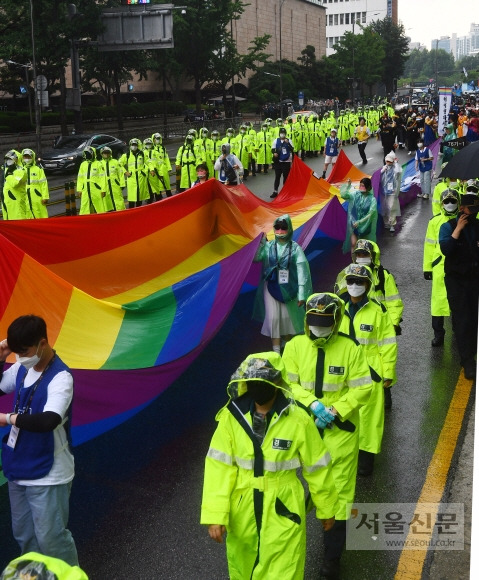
{"points": [[12, 122]]}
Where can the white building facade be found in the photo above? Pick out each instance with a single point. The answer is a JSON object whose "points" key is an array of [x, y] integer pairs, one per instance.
{"points": [[349, 15]]}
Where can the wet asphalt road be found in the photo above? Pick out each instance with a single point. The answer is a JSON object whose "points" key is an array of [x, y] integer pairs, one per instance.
{"points": [[137, 493]]}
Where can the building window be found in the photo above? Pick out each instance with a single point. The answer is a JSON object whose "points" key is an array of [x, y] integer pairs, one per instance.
{"points": [[335, 20], [341, 19], [363, 17], [330, 20]]}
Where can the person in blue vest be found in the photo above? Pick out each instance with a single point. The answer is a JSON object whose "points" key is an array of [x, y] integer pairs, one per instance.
{"points": [[282, 159], [331, 151], [36, 455], [424, 159]]}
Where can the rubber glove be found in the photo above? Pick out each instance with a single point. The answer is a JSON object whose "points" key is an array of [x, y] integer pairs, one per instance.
{"points": [[427, 275], [323, 416]]}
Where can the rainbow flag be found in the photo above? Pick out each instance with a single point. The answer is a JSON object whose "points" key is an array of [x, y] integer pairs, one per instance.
{"points": [[132, 298]]}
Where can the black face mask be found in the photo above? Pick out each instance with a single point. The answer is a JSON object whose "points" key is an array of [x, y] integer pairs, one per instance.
{"points": [[261, 392]]}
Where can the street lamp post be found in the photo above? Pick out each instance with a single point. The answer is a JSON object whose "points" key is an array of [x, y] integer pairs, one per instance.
{"points": [[38, 121], [281, 56]]}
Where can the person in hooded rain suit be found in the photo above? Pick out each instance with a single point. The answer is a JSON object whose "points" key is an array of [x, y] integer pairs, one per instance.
{"points": [[37, 186], [329, 373], [91, 183], [114, 176], [286, 284], [385, 290], [368, 321], [362, 213], [136, 171], [390, 189], [433, 263], [164, 163], [14, 191], [186, 162], [251, 489]]}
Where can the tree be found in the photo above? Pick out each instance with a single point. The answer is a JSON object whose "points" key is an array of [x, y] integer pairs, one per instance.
{"points": [[199, 34], [360, 57], [395, 44], [53, 32], [110, 70], [227, 63]]}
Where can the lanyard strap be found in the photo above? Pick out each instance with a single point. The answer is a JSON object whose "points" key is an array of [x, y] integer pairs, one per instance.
{"points": [[35, 386]]}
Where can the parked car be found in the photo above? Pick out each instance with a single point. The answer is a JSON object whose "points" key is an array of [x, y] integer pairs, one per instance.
{"points": [[67, 153]]}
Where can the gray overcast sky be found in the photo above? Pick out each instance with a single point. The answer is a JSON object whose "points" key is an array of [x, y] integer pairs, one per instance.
{"points": [[429, 19]]}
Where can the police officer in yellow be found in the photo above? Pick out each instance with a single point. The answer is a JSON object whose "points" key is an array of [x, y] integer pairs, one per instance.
{"points": [[113, 174], [385, 291], [433, 263], [14, 187], [330, 375], [136, 169], [251, 488], [37, 186], [186, 162], [91, 183], [164, 161], [369, 323]]}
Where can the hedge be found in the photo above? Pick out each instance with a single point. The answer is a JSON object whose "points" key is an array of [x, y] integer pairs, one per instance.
{"points": [[19, 122]]}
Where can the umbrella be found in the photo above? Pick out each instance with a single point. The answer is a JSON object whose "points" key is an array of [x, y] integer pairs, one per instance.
{"points": [[464, 164]]}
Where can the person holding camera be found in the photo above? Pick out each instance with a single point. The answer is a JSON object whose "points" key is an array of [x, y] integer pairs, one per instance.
{"points": [[229, 167], [282, 158]]}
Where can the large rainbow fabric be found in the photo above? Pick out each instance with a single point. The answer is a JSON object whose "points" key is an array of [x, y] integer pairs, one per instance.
{"points": [[131, 298]]}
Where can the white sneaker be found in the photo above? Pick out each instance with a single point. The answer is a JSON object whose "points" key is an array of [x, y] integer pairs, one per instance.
{"points": [[391, 229], [425, 196], [409, 152], [419, 194]]}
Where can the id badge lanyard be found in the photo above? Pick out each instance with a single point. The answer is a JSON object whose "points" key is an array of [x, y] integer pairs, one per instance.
{"points": [[283, 274], [14, 431]]}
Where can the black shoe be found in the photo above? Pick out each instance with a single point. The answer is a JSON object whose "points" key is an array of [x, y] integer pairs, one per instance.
{"points": [[388, 403], [330, 569], [365, 463], [470, 370], [365, 162], [274, 194], [438, 340]]}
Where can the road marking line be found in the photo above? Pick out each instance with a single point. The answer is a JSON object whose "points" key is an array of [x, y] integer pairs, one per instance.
{"points": [[411, 562]]}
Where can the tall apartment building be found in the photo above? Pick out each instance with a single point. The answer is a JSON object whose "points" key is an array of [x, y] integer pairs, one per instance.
{"points": [[348, 15], [459, 46]]}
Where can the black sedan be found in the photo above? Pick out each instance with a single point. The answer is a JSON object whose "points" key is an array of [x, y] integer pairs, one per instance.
{"points": [[67, 153]]}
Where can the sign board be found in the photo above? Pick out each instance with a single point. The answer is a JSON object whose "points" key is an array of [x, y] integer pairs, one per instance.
{"points": [[301, 98], [41, 82], [42, 97], [137, 27]]}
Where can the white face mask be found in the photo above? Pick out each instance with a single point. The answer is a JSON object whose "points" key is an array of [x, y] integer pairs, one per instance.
{"points": [[27, 161], [9, 162], [157, 141], [364, 260], [450, 207], [321, 331], [29, 361], [356, 290], [134, 147]]}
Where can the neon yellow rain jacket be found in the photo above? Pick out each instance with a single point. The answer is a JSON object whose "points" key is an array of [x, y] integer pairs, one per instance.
{"points": [[253, 488]]}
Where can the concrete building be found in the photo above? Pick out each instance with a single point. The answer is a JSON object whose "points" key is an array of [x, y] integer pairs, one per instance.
{"points": [[459, 46], [293, 24], [349, 15]]}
